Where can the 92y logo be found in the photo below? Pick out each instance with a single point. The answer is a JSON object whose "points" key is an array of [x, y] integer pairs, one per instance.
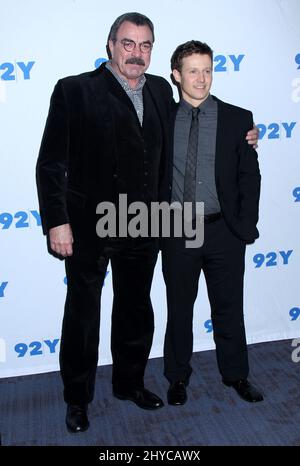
{"points": [[3, 285], [36, 348], [296, 194], [272, 259], [294, 313], [15, 71], [226, 63], [276, 130], [20, 219]]}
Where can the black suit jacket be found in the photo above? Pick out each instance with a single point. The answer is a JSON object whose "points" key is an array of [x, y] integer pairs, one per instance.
{"points": [[237, 172], [78, 158]]}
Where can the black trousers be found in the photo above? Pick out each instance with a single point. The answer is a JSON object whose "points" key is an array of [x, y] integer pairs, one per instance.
{"points": [[132, 262], [222, 260]]}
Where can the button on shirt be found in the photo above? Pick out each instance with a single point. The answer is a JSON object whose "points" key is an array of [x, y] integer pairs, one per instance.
{"points": [[205, 172], [135, 95]]}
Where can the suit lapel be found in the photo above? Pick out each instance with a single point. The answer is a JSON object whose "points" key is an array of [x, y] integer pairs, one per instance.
{"points": [[220, 138], [172, 120], [103, 83], [115, 89], [170, 154], [159, 103], [99, 89]]}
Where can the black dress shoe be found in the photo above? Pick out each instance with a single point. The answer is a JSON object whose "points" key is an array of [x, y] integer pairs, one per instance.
{"points": [[76, 418], [177, 393], [141, 397], [246, 391]]}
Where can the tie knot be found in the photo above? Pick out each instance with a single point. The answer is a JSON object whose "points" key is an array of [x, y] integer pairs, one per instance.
{"points": [[195, 113]]}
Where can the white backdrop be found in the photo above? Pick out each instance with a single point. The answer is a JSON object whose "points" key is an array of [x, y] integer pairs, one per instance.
{"points": [[257, 66]]}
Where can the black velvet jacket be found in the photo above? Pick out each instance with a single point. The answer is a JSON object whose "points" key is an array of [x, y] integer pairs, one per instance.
{"points": [[78, 160]]}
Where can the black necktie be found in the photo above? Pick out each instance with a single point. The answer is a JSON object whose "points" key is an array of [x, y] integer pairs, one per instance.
{"points": [[191, 160]]}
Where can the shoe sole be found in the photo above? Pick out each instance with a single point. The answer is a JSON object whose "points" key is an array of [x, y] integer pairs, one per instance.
{"points": [[228, 384], [125, 398], [177, 404], [72, 431]]}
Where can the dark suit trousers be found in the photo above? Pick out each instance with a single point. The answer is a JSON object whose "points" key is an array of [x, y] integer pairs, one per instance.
{"points": [[222, 260], [132, 263]]}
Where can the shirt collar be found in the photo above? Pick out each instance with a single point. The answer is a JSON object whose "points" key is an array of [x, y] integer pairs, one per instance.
{"points": [[123, 81], [204, 107]]}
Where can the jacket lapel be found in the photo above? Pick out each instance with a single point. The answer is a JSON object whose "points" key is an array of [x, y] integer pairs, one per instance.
{"points": [[103, 83], [158, 102], [99, 89], [220, 138]]}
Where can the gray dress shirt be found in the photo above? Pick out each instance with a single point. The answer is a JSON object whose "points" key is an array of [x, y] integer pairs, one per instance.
{"points": [[135, 95], [205, 177]]}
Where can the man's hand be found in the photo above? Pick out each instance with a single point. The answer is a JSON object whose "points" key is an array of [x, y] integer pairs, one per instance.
{"points": [[61, 240], [252, 136]]}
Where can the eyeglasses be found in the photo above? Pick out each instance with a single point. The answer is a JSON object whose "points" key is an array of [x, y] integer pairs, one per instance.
{"points": [[130, 45]]}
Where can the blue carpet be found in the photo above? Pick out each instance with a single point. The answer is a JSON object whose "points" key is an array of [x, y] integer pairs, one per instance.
{"points": [[33, 411]]}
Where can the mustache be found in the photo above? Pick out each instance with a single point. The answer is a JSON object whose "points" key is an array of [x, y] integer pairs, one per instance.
{"points": [[135, 61]]}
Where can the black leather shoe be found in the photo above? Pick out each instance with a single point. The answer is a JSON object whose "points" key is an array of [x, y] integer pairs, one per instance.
{"points": [[246, 391], [76, 418], [141, 397], [177, 393]]}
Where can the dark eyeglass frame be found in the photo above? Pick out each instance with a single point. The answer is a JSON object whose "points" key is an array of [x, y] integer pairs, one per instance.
{"points": [[129, 45]]}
